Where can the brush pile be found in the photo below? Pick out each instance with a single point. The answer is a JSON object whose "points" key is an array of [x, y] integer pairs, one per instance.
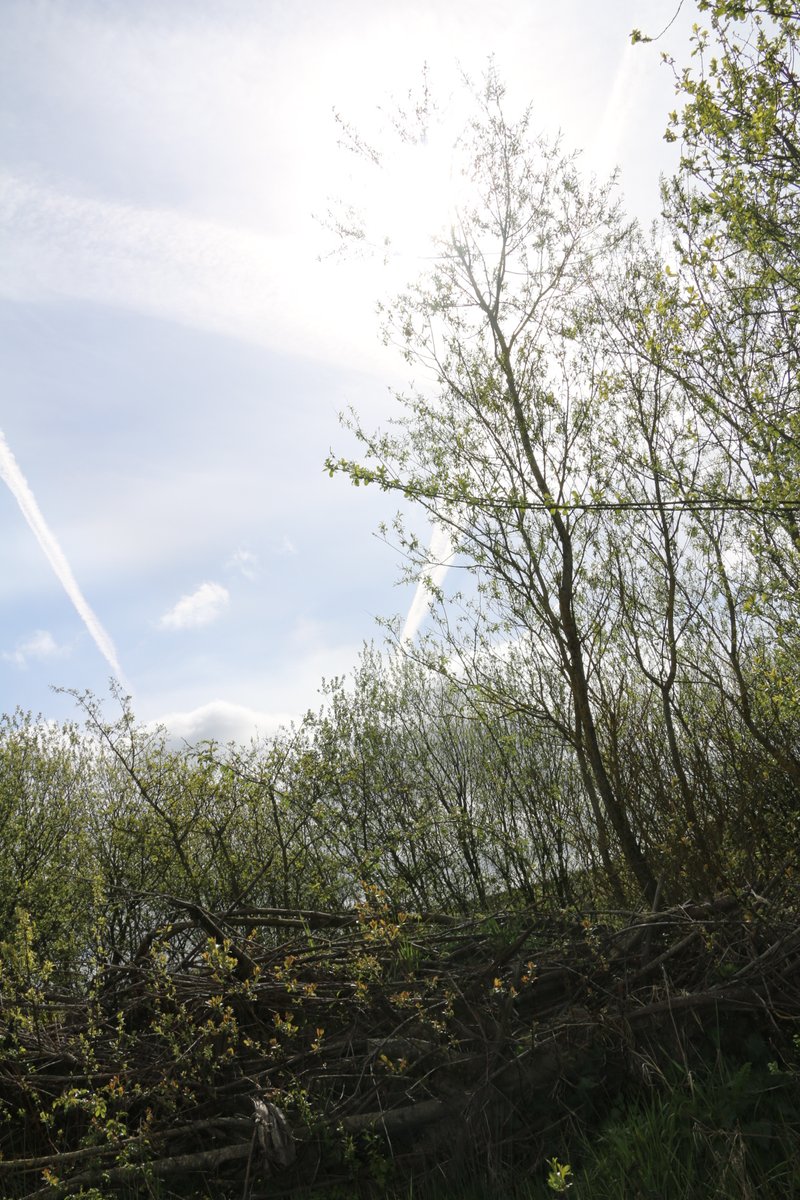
{"points": [[260, 1052]]}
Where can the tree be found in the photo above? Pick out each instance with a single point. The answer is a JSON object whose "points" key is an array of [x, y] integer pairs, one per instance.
{"points": [[610, 441], [733, 208], [506, 455]]}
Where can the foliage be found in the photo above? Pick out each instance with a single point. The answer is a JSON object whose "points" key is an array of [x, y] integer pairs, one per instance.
{"points": [[281, 1047], [618, 488], [559, 1176]]}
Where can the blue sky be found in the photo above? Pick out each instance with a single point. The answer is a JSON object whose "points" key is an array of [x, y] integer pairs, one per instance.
{"points": [[174, 354]]}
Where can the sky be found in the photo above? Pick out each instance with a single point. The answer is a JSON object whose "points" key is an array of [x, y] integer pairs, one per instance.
{"points": [[177, 339]]}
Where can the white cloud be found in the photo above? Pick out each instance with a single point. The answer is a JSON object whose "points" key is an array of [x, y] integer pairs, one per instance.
{"points": [[221, 721], [40, 646], [199, 608], [286, 547], [257, 695]]}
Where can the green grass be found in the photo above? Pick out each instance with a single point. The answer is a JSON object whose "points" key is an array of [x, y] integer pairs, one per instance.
{"points": [[732, 1134]]}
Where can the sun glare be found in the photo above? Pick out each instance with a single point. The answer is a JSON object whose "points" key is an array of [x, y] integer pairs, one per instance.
{"points": [[413, 197]]}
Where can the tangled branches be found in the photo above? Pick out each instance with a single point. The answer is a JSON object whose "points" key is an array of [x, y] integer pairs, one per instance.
{"points": [[313, 1047]]}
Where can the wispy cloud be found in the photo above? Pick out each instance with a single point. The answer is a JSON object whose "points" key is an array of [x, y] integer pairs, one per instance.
{"points": [[11, 474], [40, 646], [199, 608], [163, 262], [245, 562]]}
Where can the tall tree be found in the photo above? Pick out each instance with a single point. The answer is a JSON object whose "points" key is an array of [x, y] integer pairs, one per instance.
{"points": [[733, 207], [611, 441], [506, 453]]}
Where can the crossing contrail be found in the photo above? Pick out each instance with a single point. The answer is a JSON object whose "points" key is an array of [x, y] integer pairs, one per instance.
{"points": [[18, 486]]}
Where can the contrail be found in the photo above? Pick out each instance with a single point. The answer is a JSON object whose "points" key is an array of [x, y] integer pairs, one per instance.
{"points": [[18, 485], [441, 551], [619, 106]]}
